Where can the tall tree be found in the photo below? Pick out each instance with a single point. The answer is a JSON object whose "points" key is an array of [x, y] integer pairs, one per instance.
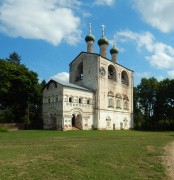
{"points": [[20, 93], [138, 115], [165, 108], [154, 104], [14, 58], [147, 91]]}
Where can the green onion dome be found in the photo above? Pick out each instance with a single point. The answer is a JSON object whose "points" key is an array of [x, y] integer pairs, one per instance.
{"points": [[102, 41], [89, 37], [113, 50]]}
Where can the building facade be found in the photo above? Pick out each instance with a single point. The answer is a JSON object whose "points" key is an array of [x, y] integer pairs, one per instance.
{"points": [[99, 94]]}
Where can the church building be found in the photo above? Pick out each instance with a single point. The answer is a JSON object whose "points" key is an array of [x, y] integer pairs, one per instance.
{"points": [[99, 94]]}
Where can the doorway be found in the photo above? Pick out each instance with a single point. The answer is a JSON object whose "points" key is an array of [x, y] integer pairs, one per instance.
{"points": [[73, 120]]}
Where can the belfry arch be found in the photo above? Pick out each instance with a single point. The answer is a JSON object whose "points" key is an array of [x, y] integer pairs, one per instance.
{"points": [[79, 71], [124, 78], [112, 73]]}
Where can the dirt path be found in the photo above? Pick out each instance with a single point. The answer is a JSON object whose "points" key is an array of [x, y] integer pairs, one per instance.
{"points": [[169, 160]]}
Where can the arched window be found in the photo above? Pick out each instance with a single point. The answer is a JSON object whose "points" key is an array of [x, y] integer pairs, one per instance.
{"points": [[126, 105], [110, 99], [111, 72], [110, 102], [126, 102], [70, 99], [118, 101], [124, 78], [80, 100], [88, 101], [79, 71]]}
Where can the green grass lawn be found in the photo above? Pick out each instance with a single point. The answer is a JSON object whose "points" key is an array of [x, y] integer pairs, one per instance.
{"points": [[83, 155]]}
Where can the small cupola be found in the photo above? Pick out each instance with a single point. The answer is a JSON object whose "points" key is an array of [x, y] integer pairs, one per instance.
{"points": [[114, 52], [90, 40], [103, 43]]}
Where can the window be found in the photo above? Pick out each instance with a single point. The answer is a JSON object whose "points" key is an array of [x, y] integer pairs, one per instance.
{"points": [[80, 100], [110, 102], [110, 99], [88, 101], [70, 99], [126, 105], [118, 101]]}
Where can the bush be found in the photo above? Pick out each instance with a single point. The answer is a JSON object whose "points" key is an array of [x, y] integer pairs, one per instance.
{"points": [[3, 129]]}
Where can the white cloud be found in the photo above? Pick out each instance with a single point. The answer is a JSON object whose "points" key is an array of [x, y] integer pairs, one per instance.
{"points": [[171, 73], [157, 13], [142, 75], [104, 2], [159, 78], [51, 20], [63, 76], [160, 56]]}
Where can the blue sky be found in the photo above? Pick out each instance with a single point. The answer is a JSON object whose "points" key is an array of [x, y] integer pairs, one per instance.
{"points": [[49, 34]]}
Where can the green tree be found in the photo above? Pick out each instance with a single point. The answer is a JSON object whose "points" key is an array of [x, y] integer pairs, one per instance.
{"points": [[138, 115], [14, 58], [147, 91], [165, 108], [154, 104], [20, 94]]}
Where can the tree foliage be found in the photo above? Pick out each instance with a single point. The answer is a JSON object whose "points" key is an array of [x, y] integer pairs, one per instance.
{"points": [[14, 58], [20, 93], [154, 104]]}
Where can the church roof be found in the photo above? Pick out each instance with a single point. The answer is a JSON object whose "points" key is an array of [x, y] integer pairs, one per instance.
{"points": [[67, 84]]}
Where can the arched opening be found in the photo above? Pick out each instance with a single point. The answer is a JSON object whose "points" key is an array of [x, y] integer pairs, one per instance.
{"points": [[73, 120], [111, 73], [124, 78], [78, 121], [70, 99], [80, 100], [79, 72]]}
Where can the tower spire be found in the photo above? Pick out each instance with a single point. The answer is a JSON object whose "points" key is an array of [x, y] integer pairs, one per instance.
{"points": [[103, 29], [90, 28]]}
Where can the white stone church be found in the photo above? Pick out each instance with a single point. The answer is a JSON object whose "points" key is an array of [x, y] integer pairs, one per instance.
{"points": [[99, 94]]}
